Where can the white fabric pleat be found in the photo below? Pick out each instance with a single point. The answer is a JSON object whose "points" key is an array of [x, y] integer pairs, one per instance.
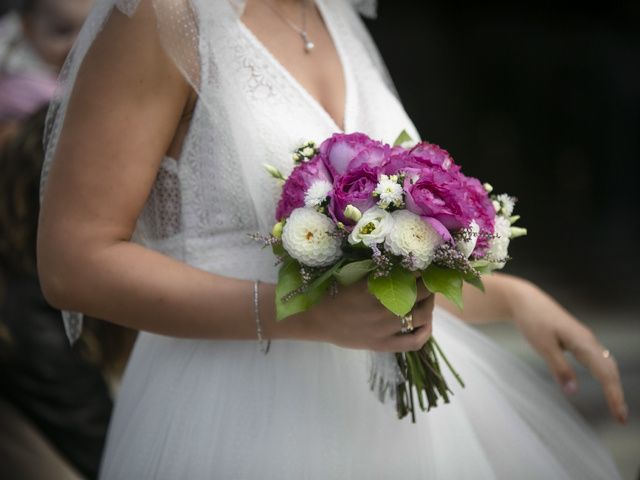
{"points": [[199, 410]]}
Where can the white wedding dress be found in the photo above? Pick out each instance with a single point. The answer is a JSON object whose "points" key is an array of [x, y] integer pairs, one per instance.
{"points": [[198, 409]]}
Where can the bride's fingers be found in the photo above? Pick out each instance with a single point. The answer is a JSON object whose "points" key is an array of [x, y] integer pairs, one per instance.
{"points": [[591, 354], [423, 293], [562, 370]]}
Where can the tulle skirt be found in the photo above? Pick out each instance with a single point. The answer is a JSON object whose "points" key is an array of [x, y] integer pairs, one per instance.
{"points": [[193, 409]]}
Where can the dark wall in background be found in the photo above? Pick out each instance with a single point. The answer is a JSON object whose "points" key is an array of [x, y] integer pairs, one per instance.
{"points": [[544, 103]]}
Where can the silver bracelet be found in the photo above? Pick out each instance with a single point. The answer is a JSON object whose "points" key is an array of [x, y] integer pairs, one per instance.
{"points": [[264, 346]]}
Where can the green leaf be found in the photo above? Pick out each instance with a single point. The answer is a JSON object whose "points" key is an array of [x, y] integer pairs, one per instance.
{"points": [[354, 271], [475, 281], [289, 279], [445, 281], [397, 291], [403, 137]]}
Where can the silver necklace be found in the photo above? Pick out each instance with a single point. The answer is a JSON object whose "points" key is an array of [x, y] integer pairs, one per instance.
{"points": [[308, 44]]}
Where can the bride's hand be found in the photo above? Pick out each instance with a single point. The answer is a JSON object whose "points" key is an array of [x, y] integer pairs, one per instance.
{"points": [[355, 319], [550, 329]]}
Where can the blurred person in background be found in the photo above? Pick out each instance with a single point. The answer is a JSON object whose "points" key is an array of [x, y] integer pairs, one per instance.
{"points": [[34, 42], [55, 400]]}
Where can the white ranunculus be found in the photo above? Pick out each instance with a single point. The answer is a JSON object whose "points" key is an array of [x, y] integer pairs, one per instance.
{"points": [[466, 247], [307, 237], [411, 235], [372, 228], [317, 193], [499, 245]]}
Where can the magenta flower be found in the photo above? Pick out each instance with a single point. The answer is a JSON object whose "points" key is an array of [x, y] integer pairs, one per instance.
{"points": [[301, 178], [438, 194], [423, 156], [344, 152], [450, 198], [484, 213], [354, 188]]}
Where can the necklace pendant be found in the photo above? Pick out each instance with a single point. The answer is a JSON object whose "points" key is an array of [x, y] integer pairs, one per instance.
{"points": [[308, 44]]}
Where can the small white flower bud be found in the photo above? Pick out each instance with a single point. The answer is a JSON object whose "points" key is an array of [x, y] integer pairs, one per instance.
{"points": [[277, 230], [274, 172], [518, 232], [352, 213], [488, 187]]}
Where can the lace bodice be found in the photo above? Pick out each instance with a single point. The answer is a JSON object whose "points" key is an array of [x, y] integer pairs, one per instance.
{"points": [[200, 210]]}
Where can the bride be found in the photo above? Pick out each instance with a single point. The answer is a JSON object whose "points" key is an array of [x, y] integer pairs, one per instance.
{"points": [[167, 111]]}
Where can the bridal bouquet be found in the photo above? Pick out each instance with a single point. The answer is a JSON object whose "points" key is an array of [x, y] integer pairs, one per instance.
{"points": [[355, 207]]}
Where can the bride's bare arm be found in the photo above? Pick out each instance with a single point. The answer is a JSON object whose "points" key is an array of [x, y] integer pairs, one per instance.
{"points": [[122, 117], [548, 327]]}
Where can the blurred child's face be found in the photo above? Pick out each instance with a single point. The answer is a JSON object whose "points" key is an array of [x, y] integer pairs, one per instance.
{"points": [[53, 26]]}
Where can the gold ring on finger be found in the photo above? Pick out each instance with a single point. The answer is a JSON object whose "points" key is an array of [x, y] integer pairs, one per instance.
{"points": [[406, 322]]}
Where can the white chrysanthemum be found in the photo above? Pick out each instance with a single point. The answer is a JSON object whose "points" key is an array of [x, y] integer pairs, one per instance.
{"points": [[307, 237], [411, 235], [389, 191], [466, 247], [499, 245], [507, 203], [317, 193], [372, 228]]}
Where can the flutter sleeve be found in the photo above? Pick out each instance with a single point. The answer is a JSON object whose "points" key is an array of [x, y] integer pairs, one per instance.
{"points": [[177, 24]]}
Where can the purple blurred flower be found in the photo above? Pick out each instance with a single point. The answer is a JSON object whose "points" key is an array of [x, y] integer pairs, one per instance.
{"points": [[21, 94], [296, 185]]}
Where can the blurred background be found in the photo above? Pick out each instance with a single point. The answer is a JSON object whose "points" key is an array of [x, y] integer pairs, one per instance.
{"points": [[542, 99]]}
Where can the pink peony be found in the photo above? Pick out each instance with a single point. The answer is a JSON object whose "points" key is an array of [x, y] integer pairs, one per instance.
{"points": [[450, 198], [354, 188], [344, 152], [422, 156]]}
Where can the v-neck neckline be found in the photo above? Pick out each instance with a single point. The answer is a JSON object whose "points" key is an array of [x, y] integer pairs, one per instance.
{"points": [[297, 85]]}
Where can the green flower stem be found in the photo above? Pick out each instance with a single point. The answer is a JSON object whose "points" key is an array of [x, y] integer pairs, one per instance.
{"points": [[422, 373], [446, 360]]}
